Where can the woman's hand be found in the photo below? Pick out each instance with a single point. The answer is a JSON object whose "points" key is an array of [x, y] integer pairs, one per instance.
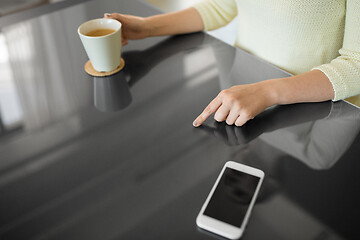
{"points": [[133, 27], [239, 104]]}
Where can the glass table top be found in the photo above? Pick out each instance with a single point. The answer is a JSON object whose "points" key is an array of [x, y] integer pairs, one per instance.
{"points": [[118, 158]]}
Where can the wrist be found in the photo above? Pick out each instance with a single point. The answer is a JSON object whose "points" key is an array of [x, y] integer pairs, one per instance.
{"points": [[148, 30], [271, 91], [153, 25]]}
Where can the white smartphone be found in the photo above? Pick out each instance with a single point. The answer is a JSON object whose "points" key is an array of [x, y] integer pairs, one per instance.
{"points": [[228, 206]]}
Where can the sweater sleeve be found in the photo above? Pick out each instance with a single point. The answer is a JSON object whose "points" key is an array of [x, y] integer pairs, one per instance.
{"points": [[216, 13], [344, 71]]}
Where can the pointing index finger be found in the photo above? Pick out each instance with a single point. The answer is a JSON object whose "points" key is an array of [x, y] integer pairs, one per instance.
{"points": [[210, 109]]}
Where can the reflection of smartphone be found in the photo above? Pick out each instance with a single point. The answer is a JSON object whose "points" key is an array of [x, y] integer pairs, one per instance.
{"points": [[228, 206]]}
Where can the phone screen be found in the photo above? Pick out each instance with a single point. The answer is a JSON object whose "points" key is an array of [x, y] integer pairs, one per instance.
{"points": [[232, 197]]}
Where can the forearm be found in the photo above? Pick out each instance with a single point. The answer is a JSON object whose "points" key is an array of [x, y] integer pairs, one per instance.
{"points": [[180, 22], [312, 86]]}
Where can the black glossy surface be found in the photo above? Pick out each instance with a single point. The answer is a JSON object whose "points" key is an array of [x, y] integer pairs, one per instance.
{"points": [[118, 158]]}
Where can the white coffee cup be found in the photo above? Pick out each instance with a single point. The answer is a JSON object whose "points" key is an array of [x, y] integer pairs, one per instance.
{"points": [[104, 52]]}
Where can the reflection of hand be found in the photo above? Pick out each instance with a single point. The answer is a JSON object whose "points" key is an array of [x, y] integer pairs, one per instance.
{"points": [[268, 121], [137, 65], [238, 104], [232, 135], [133, 27]]}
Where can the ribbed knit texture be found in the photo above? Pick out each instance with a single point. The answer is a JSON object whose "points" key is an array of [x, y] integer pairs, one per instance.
{"points": [[297, 35]]}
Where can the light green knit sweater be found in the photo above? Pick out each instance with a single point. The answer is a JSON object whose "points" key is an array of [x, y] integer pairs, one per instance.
{"points": [[297, 35]]}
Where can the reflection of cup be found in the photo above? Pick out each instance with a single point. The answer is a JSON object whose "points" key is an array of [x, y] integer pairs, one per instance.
{"points": [[111, 93], [103, 50]]}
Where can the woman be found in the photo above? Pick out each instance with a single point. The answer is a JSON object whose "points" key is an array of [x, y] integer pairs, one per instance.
{"points": [[302, 37]]}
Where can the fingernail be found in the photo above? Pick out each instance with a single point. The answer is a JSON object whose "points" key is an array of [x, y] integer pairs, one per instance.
{"points": [[195, 124], [107, 14]]}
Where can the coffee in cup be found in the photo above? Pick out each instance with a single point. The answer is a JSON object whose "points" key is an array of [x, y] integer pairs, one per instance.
{"points": [[100, 32]]}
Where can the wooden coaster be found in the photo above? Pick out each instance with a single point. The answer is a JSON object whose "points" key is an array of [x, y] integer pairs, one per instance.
{"points": [[91, 71]]}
